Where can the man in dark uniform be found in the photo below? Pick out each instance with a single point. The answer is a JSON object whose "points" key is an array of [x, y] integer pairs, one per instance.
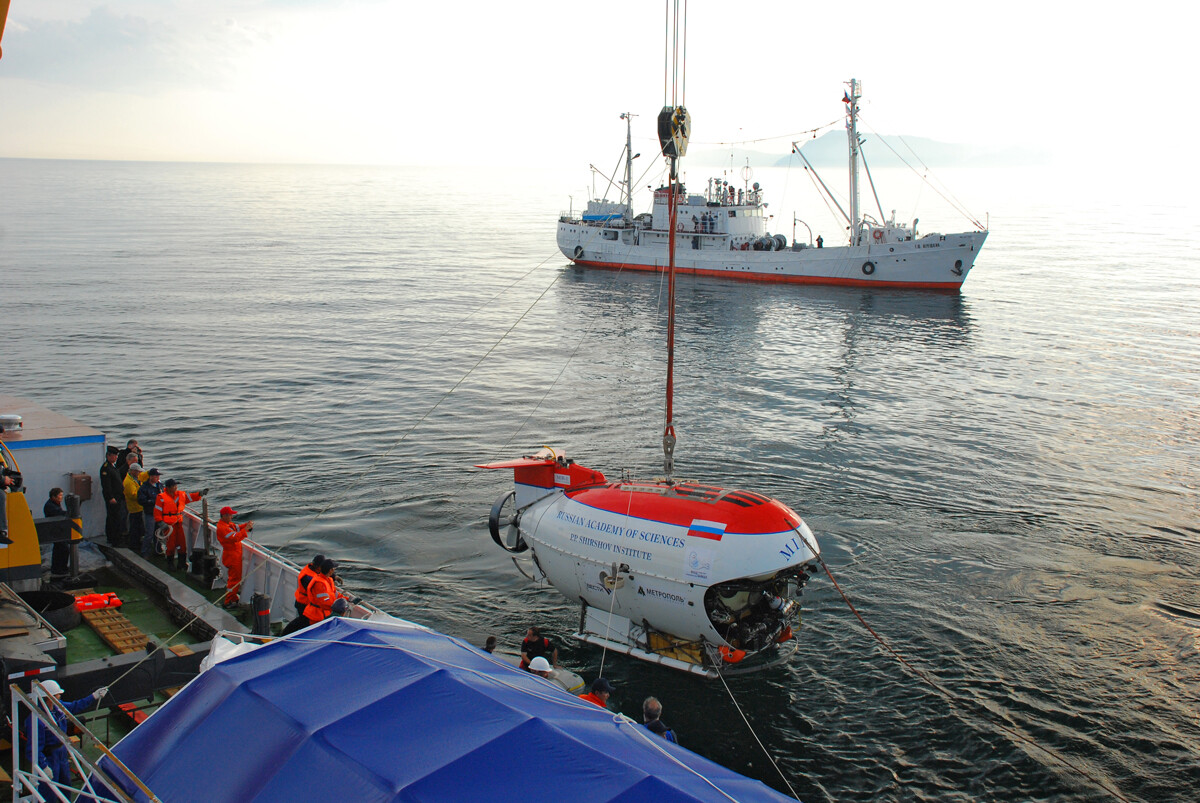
{"points": [[113, 488], [123, 460], [536, 644]]}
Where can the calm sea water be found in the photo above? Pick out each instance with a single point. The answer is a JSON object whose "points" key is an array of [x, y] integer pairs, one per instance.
{"points": [[1005, 480]]}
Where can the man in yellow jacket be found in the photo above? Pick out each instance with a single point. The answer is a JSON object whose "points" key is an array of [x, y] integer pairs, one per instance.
{"points": [[137, 522]]}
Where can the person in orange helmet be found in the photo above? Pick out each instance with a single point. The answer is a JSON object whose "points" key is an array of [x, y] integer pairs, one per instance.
{"points": [[168, 509], [230, 536]]}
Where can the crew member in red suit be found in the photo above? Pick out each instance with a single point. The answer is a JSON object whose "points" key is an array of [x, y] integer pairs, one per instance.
{"points": [[230, 536]]}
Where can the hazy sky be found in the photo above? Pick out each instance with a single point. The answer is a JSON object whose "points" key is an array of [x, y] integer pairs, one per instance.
{"points": [[389, 82]]}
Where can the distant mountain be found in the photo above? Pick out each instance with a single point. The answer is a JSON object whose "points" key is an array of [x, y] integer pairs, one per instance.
{"points": [[887, 150]]}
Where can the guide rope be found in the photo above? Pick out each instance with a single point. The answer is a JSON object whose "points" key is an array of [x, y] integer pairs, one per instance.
{"points": [[750, 728], [197, 613], [951, 697]]}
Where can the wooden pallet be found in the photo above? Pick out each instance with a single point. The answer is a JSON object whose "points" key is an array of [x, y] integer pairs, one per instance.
{"points": [[180, 650], [114, 629]]}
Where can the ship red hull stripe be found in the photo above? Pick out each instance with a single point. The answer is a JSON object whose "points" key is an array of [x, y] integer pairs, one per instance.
{"points": [[773, 278]]}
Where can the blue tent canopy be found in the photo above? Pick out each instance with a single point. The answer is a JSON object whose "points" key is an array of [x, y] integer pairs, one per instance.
{"points": [[353, 711]]}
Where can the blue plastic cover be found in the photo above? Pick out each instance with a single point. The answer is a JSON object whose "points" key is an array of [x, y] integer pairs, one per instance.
{"points": [[351, 711]]}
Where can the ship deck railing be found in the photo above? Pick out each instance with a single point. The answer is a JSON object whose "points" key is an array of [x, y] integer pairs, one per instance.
{"points": [[263, 571], [97, 784]]}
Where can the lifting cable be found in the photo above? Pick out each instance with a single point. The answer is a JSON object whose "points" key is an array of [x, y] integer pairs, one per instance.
{"points": [[196, 614]]}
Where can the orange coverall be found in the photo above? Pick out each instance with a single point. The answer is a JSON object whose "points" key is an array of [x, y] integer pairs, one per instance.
{"points": [[230, 536], [321, 596], [169, 508]]}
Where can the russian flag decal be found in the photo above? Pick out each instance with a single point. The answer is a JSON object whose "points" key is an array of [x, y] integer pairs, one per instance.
{"points": [[712, 530]]}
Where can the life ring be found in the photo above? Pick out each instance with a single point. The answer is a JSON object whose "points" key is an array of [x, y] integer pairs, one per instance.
{"points": [[878, 235], [579, 252], [868, 268]]}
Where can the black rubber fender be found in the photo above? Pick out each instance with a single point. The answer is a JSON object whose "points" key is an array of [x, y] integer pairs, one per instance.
{"points": [[579, 252], [868, 268]]}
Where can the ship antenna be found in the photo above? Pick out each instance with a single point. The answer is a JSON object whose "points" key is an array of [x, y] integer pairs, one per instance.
{"points": [[674, 128]]}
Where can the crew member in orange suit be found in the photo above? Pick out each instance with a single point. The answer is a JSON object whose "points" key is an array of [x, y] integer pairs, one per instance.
{"points": [[601, 689], [322, 593], [230, 536], [302, 581], [168, 509], [322, 598]]}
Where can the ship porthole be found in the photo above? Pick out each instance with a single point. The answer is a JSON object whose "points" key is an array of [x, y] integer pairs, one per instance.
{"points": [[579, 252], [868, 268]]}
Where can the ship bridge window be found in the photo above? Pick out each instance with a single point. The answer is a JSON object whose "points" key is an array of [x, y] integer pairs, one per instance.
{"points": [[733, 213]]}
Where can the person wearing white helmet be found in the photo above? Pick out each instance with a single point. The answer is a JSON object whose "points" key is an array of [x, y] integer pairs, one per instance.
{"points": [[540, 666], [52, 754]]}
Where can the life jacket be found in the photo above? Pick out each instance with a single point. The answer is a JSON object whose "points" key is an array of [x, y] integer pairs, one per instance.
{"points": [[169, 507], [302, 581], [321, 594]]}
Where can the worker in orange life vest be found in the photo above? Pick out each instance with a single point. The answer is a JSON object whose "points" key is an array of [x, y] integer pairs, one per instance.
{"points": [[321, 593], [230, 536], [305, 577], [168, 509], [601, 689]]}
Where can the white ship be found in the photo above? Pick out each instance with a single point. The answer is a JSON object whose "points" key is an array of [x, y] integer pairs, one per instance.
{"points": [[723, 233]]}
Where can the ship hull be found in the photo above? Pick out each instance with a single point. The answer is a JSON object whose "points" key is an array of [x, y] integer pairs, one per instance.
{"points": [[935, 262]]}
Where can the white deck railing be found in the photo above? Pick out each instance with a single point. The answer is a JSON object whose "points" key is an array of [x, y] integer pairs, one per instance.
{"points": [[263, 572]]}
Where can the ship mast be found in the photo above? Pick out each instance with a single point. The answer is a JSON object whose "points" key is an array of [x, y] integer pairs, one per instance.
{"points": [[629, 157], [674, 128], [851, 101]]}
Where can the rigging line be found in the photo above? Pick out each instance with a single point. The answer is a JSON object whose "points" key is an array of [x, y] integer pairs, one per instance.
{"points": [[612, 606], [455, 327], [750, 728], [768, 139], [352, 485], [683, 80], [825, 200], [952, 200], [666, 47], [952, 698]]}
